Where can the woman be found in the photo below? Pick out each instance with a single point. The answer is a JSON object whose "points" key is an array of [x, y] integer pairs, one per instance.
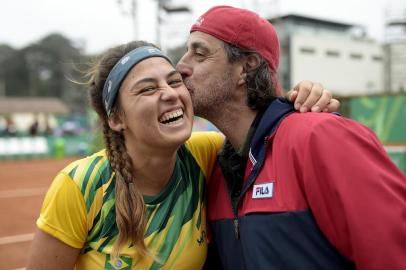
{"points": [[138, 204]]}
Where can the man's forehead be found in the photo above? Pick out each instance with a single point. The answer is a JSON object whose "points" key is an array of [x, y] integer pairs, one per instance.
{"points": [[198, 38]]}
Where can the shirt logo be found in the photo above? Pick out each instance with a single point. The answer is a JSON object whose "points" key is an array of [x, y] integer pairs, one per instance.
{"points": [[263, 191]]}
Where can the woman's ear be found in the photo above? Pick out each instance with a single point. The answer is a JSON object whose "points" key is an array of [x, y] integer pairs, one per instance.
{"points": [[115, 122]]}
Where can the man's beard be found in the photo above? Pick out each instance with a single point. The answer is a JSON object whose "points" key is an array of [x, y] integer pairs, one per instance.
{"points": [[208, 99]]}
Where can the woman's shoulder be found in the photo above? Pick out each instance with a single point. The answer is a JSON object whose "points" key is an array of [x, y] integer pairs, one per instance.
{"points": [[204, 146], [205, 140], [93, 170]]}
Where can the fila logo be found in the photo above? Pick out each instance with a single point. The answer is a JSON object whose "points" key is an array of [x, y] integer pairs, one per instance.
{"points": [[262, 191]]}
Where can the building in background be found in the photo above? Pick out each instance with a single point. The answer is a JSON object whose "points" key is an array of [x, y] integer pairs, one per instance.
{"points": [[395, 49], [177, 16], [29, 113], [337, 54], [174, 25]]}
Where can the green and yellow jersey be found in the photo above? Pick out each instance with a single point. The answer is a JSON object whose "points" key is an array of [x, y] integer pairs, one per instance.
{"points": [[79, 210]]}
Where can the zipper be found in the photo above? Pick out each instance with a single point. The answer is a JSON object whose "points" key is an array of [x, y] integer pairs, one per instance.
{"points": [[235, 198], [266, 140], [235, 201], [236, 228]]}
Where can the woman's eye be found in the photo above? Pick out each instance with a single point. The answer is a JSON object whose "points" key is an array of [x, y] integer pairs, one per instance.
{"points": [[175, 82], [147, 90]]}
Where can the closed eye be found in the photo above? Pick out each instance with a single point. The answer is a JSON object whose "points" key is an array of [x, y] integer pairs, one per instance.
{"points": [[176, 83], [199, 56], [147, 90]]}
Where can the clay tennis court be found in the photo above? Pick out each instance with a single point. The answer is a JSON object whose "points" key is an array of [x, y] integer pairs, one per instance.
{"points": [[22, 188]]}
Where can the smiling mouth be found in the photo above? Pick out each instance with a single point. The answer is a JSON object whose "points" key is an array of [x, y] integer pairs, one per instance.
{"points": [[173, 117]]}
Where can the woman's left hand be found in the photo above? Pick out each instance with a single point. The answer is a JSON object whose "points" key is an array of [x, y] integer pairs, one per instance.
{"points": [[311, 96]]}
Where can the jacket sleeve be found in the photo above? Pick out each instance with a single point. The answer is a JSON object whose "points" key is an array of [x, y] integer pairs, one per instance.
{"points": [[356, 193]]}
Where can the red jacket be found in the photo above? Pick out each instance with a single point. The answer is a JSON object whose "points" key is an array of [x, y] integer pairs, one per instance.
{"points": [[326, 196]]}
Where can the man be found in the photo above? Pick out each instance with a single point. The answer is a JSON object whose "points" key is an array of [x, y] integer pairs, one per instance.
{"points": [[291, 191]]}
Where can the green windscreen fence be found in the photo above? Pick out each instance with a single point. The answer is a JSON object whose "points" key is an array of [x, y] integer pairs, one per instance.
{"points": [[386, 116]]}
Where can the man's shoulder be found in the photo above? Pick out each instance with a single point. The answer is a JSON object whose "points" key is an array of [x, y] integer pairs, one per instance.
{"points": [[301, 126], [308, 122], [298, 118]]}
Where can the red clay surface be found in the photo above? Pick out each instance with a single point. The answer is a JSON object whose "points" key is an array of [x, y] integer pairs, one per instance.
{"points": [[22, 188]]}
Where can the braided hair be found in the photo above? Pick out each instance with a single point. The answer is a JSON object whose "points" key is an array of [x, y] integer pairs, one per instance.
{"points": [[130, 207]]}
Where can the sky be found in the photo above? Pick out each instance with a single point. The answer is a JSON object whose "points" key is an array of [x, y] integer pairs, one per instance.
{"points": [[98, 24]]}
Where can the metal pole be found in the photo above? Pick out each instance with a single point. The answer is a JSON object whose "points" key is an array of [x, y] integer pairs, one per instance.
{"points": [[134, 18], [159, 21]]}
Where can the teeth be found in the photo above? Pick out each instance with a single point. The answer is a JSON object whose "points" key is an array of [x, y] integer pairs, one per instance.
{"points": [[170, 115]]}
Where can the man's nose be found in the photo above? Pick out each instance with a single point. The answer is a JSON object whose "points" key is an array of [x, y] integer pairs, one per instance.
{"points": [[183, 67]]}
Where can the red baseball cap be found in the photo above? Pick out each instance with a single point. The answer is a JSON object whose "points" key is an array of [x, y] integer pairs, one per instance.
{"points": [[243, 29]]}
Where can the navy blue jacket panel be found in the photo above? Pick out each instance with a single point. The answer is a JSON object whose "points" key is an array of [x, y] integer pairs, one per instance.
{"points": [[288, 241]]}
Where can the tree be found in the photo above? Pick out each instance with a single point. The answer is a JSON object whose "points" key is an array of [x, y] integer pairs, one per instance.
{"points": [[6, 52], [44, 69]]}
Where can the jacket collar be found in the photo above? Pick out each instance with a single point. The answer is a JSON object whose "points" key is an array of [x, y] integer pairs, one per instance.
{"points": [[270, 120]]}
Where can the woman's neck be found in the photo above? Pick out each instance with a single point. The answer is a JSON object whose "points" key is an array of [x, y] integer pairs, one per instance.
{"points": [[152, 169]]}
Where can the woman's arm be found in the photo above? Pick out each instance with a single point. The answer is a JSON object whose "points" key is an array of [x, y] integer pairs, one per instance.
{"points": [[62, 226], [310, 96], [48, 253]]}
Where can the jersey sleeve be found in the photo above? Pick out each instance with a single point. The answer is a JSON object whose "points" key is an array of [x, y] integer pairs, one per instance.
{"points": [[356, 193], [204, 147], [63, 213]]}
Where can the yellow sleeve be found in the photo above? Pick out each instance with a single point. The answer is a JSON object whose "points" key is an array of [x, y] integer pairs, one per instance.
{"points": [[63, 213], [204, 147]]}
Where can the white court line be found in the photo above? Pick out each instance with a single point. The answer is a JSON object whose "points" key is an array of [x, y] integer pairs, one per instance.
{"points": [[23, 192], [16, 238]]}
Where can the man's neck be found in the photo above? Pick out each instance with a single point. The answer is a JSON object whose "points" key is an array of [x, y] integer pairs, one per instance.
{"points": [[234, 121]]}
